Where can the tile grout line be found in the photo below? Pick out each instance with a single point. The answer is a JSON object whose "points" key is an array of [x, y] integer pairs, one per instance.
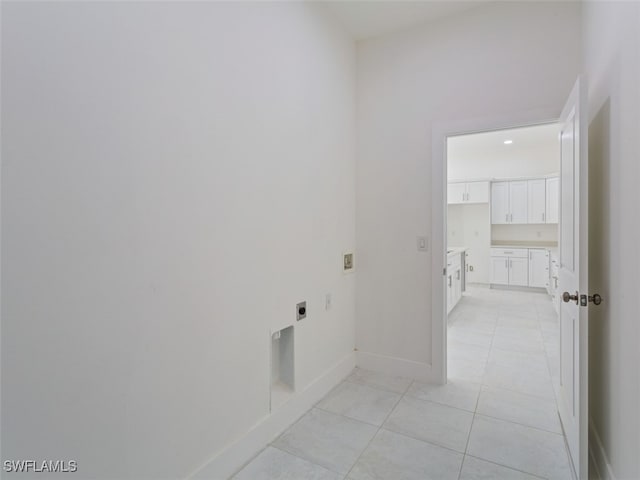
{"points": [[379, 428]]}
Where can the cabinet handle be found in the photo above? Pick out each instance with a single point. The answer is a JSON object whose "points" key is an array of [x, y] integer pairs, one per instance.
{"points": [[510, 264], [449, 280], [543, 216], [458, 275]]}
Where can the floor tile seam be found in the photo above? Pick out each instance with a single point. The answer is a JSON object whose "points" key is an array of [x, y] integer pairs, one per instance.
{"points": [[374, 387], [519, 424], [377, 431], [520, 391], [533, 397], [245, 464], [505, 466], [440, 404], [348, 417], [482, 414], [380, 387], [428, 442], [326, 467], [305, 460]]}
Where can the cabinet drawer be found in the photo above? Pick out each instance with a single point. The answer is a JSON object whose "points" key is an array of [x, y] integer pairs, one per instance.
{"points": [[510, 252]]}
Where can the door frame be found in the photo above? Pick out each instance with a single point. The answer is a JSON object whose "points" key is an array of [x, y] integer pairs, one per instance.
{"points": [[439, 134]]}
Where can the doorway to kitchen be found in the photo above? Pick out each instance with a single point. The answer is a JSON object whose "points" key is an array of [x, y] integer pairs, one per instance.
{"points": [[501, 268]]}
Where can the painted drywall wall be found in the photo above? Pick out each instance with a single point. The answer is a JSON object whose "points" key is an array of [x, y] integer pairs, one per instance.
{"points": [[490, 61], [470, 226], [176, 176], [611, 56]]}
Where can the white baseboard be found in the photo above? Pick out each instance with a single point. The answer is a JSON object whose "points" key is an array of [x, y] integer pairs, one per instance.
{"points": [[599, 456], [400, 367], [232, 458]]}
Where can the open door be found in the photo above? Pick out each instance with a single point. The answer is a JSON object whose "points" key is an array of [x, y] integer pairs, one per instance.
{"points": [[573, 278]]}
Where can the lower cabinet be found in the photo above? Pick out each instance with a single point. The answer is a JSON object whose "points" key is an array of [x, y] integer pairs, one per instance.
{"points": [[509, 266], [522, 267], [454, 280], [538, 267]]}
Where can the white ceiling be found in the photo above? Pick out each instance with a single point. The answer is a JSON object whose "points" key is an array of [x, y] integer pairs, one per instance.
{"points": [[524, 139], [370, 18]]}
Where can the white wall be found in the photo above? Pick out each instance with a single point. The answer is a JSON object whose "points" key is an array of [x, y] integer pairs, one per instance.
{"points": [[611, 56], [490, 61], [175, 177]]}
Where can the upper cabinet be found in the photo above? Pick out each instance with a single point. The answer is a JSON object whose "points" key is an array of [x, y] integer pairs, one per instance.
{"points": [[509, 202], [468, 192], [553, 200], [525, 201], [537, 191]]}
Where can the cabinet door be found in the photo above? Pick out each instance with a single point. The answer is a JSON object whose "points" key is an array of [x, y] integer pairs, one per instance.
{"points": [[457, 286], [499, 271], [553, 199], [500, 202], [456, 193], [536, 207], [478, 192], [538, 268], [449, 291], [519, 271], [518, 202]]}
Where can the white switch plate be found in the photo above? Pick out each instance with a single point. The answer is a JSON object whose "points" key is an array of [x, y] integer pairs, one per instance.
{"points": [[422, 243]]}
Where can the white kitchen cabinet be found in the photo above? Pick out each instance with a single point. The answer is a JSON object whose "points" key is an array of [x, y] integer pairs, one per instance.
{"points": [[538, 267], [509, 202], [510, 266], [518, 202], [537, 200], [499, 271], [500, 202], [468, 192], [454, 279], [552, 199], [518, 271]]}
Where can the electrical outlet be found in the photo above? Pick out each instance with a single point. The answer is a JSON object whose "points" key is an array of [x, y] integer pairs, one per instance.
{"points": [[301, 311]]}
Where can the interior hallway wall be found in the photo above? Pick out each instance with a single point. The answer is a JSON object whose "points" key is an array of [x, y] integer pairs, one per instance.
{"points": [[176, 176], [489, 61], [611, 56]]}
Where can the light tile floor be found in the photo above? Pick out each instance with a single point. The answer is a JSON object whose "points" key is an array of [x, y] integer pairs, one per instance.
{"points": [[495, 419]]}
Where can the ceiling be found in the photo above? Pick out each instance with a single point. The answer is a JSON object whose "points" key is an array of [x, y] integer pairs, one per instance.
{"points": [[525, 138], [370, 18]]}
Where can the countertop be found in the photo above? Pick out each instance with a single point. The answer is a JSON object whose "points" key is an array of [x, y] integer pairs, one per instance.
{"points": [[456, 250], [550, 245]]}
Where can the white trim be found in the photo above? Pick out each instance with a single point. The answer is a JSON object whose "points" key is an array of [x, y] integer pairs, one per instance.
{"points": [[232, 458], [439, 134], [599, 456], [399, 367]]}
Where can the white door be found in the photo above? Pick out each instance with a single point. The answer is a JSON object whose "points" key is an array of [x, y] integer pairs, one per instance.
{"points": [[456, 193], [500, 202], [478, 192], [553, 199], [537, 200], [574, 326], [518, 202], [518, 271]]}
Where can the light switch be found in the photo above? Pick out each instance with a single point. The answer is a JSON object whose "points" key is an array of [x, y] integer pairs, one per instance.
{"points": [[423, 244]]}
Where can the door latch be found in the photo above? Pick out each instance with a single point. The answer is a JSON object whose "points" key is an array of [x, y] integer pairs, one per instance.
{"points": [[596, 299]]}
